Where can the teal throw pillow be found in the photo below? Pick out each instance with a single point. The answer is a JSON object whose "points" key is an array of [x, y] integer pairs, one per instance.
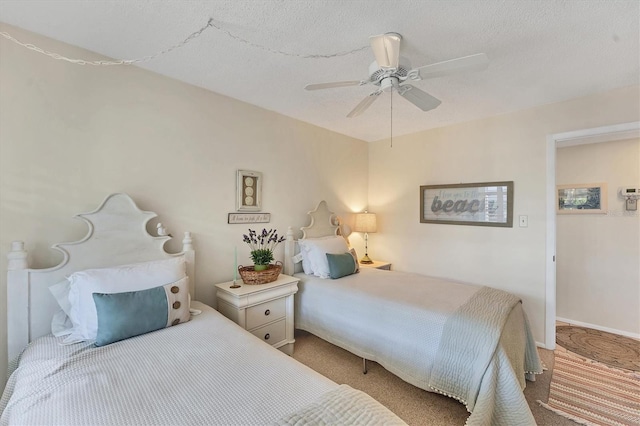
{"points": [[129, 314], [341, 265]]}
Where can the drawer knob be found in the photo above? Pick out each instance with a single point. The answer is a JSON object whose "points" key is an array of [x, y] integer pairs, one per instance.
{"points": [[267, 312], [266, 336]]}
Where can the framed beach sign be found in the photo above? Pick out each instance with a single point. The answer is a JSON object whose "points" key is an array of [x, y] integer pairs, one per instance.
{"points": [[587, 198], [249, 186], [479, 204]]}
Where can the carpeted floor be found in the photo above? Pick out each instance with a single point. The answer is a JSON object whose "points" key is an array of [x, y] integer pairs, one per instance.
{"points": [[415, 406]]}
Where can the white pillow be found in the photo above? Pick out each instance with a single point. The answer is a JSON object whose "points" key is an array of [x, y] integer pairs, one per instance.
{"points": [[134, 277], [306, 263], [61, 325], [307, 266], [316, 253]]}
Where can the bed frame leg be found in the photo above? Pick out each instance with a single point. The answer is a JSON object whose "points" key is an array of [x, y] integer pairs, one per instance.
{"points": [[364, 366]]}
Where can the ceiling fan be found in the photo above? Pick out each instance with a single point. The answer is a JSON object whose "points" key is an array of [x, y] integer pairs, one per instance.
{"points": [[390, 71]]}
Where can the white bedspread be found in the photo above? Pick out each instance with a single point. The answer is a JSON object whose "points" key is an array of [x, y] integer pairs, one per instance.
{"points": [[206, 371], [397, 319], [342, 406]]}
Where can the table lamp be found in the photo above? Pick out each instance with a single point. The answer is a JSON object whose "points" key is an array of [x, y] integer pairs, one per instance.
{"points": [[365, 222]]}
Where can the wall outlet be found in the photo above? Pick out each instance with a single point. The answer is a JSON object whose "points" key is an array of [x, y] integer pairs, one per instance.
{"points": [[524, 221]]}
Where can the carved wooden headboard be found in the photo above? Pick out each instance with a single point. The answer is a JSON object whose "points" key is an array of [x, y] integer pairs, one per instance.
{"points": [[117, 236], [323, 223]]}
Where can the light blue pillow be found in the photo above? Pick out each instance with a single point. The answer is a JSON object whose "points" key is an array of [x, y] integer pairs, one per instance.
{"points": [[341, 265], [132, 313]]}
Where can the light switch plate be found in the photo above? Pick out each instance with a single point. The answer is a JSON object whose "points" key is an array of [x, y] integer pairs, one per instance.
{"points": [[524, 221]]}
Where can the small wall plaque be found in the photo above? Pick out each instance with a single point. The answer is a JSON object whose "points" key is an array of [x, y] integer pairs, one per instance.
{"points": [[249, 218]]}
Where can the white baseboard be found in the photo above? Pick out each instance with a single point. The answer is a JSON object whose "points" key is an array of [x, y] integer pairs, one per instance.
{"points": [[599, 327], [540, 345]]}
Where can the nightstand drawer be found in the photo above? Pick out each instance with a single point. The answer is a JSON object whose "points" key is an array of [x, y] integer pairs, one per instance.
{"points": [[272, 333], [266, 312]]}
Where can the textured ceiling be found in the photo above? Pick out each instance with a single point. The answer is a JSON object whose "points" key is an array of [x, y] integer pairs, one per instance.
{"points": [[540, 51]]}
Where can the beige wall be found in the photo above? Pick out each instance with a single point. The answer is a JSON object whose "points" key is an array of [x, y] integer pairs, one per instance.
{"points": [[506, 147], [598, 277], [70, 135]]}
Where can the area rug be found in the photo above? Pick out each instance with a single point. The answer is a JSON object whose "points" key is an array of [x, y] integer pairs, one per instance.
{"points": [[592, 393], [611, 349]]}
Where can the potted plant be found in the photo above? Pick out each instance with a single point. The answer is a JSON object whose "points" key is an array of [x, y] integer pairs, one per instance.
{"points": [[262, 246]]}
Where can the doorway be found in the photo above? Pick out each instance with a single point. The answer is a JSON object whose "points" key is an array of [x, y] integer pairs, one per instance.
{"points": [[555, 141]]}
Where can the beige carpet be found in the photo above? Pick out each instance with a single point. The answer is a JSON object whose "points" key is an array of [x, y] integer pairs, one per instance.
{"points": [[415, 406]]}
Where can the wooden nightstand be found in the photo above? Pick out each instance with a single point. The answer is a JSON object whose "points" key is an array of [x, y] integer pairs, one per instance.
{"points": [[265, 310], [378, 264]]}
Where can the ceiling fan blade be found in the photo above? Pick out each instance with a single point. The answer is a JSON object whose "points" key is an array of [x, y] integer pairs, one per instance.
{"points": [[386, 48], [478, 61], [334, 84], [364, 104], [419, 98]]}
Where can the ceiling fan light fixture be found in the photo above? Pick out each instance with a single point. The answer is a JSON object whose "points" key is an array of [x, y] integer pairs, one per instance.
{"points": [[386, 48], [390, 73], [389, 83]]}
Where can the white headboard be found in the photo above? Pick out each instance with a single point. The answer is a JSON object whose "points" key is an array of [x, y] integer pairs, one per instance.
{"points": [[323, 223], [117, 236]]}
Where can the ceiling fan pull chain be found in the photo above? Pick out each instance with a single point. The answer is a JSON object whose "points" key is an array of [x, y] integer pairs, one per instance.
{"points": [[391, 118]]}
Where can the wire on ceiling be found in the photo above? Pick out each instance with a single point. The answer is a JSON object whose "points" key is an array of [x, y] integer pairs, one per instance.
{"points": [[98, 63], [210, 24]]}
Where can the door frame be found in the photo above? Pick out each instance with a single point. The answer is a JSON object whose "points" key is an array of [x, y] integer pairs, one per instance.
{"points": [[560, 140]]}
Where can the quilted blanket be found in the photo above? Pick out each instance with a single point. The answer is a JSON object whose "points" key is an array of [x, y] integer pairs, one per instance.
{"points": [[342, 406], [469, 355]]}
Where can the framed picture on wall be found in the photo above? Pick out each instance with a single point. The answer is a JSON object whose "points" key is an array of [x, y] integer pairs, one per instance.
{"points": [[586, 198], [479, 204], [249, 191]]}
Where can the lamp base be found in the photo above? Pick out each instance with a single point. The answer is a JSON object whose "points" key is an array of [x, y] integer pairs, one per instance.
{"points": [[366, 259]]}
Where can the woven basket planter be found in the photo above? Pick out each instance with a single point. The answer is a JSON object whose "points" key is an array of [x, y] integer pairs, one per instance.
{"points": [[251, 277]]}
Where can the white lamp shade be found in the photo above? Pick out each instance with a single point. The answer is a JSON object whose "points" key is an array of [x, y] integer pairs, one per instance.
{"points": [[365, 222]]}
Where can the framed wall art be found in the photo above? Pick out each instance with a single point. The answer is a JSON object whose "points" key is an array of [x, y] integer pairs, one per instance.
{"points": [[479, 204], [587, 198], [248, 218], [249, 186]]}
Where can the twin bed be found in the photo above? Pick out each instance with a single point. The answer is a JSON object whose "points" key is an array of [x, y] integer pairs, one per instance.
{"points": [[468, 342], [190, 365]]}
